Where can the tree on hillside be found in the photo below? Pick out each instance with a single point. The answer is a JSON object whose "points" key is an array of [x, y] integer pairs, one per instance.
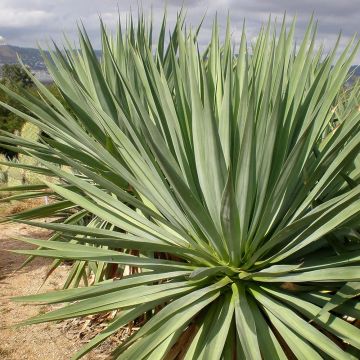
{"points": [[15, 78], [14, 74]]}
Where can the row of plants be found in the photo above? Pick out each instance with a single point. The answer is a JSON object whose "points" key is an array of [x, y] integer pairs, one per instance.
{"points": [[214, 194], [10, 173]]}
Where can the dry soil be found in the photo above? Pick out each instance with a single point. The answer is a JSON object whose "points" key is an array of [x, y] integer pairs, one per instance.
{"points": [[37, 342]]}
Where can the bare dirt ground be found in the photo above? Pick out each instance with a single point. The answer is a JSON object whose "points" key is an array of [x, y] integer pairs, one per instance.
{"points": [[37, 342], [49, 341]]}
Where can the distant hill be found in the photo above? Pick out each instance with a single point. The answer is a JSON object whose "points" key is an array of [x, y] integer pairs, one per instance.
{"points": [[30, 56]]}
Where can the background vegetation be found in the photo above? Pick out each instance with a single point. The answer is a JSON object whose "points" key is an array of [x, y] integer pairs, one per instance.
{"points": [[14, 77]]}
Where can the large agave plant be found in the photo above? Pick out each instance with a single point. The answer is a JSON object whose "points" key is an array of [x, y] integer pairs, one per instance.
{"points": [[215, 175]]}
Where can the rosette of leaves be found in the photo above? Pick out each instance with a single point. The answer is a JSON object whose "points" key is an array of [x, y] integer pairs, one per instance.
{"points": [[221, 188]]}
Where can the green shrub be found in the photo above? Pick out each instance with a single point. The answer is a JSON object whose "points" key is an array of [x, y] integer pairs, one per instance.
{"points": [[15, 74], [212, 179], [19, 80], [16, 78]]}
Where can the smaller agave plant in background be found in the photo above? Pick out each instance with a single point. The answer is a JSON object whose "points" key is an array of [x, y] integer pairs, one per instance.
{"points": [[218, 177]]}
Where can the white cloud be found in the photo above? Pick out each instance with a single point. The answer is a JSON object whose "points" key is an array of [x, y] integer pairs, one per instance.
{"points": [[23, 18]]}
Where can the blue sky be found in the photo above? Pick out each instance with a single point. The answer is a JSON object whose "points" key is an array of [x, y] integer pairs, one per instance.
{"points": [[24, 22]]}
